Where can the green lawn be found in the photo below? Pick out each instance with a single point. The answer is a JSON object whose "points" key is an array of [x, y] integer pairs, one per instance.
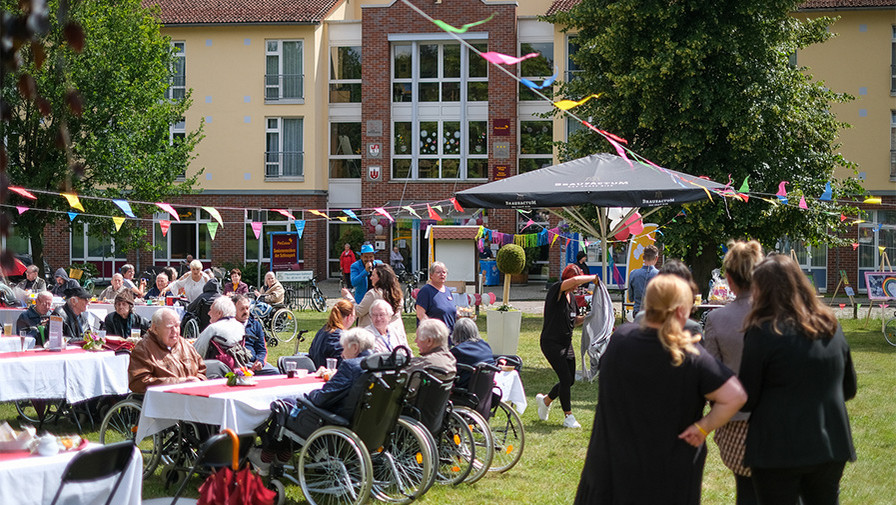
{"points": [[553, 457]]}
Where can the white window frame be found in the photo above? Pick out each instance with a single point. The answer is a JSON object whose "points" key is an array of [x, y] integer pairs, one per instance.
{"points": [[196, 220], [274, 47], [177, 88], [333, 149], [334, 81], [274, 125], [535, 156]]}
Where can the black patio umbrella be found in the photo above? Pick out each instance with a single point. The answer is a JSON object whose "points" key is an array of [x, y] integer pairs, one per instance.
{"points": [[604, 180]]}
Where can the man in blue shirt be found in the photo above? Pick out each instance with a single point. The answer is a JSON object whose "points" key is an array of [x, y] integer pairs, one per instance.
{"points": [[361, 270], [254, 336], [640, 277]]}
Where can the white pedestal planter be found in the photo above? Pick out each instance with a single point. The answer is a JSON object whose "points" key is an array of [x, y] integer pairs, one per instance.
{"points": [[503, 330]]}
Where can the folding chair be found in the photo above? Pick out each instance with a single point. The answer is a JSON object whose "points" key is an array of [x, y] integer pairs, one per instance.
{"points": [[98, 463], [301, 361]]}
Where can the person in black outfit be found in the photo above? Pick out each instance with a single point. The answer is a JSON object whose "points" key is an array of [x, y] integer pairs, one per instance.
{"points": [[124, 319], [582, 262], [74, 312], [798, 373], [35, 317], [560, 316]]}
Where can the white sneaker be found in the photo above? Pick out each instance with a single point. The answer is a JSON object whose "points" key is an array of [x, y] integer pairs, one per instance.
{"points": [[255, 458], [570, 422], [543, 410]]}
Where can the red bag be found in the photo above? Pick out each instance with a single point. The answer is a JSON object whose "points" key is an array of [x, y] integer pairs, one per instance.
{"points": [[228, 486]]}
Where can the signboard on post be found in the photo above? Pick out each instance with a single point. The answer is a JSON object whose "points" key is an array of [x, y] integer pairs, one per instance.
{"points": [[284, 249]]}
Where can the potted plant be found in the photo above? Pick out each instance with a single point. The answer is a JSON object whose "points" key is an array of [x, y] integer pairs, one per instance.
{"points": [[503, 323]]}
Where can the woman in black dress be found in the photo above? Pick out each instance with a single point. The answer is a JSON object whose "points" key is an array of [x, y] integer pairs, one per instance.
{"points": [[648, 440], [560, 316], [798, 373]]}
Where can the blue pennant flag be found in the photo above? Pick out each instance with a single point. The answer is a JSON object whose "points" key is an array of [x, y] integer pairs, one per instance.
{"points": [[72, 216], [125, 207], [828, 194], [350, 213], [300, 227]]}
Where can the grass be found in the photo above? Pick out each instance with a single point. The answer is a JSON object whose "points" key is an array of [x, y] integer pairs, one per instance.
{"points": [[553, 457]]}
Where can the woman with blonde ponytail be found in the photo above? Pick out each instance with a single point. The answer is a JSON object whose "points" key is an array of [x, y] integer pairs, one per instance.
{"points": [[647, 443]]}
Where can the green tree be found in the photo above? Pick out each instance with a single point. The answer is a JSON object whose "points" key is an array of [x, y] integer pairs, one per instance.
{"points": [[706, 87], [88, 113]]}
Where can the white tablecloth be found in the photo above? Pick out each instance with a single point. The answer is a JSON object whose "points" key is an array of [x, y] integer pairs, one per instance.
{"points": [[141, 310], [53, 375], [241, 410], [512, 389], [14, 344], [34, 481]]}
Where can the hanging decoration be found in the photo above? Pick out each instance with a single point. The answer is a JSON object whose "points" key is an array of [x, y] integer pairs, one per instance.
{"points": [[256, 229], [22, 192], [381, 211], [319, 213], [125, 207], [215, 214], [350, 213], [782, 192], [505, 59], [569, 104], [73, 201], [828, 193], [300, 227], [164, 224], [432, 213], [285, 213], [454, 201], [547, 82], [72, 216], [167, 208], [118, 221], [463, 29], [21, 209], [212, 229]]}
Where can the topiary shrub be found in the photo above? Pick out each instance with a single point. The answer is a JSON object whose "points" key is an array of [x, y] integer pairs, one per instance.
{"points": [[511, 260]]}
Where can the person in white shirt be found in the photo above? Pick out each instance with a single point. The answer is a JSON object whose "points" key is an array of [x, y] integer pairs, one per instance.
{"points": [[389, 335], [191, 284]]}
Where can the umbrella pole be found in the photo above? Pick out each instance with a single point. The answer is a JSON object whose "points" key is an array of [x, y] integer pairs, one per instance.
{"points": [[602, 214]]}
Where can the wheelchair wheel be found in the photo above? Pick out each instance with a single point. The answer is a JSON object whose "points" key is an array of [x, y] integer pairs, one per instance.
{"points": [[120, 424], [284, 325], [404, 469], [335, 468], [509, 438], [318, 300], [482, 438], [191, 329], [890, 331], [456, 450], [32, 410]]}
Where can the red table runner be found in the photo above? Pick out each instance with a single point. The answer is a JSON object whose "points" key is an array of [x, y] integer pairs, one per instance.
{"points": [[6, 456], [206, 391], [74, 350]]}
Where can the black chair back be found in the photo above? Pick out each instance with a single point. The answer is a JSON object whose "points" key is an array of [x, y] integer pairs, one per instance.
{"points": [[98, 463], [378, 406], [478, 394], [301, 361], [428, 399]]}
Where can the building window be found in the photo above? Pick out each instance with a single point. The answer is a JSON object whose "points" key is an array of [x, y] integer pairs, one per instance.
{"points": [[536, 145], [444, 150], [177, 88], [345, 74], [86, 247], [893, 145], [427, 141], [188, 236], [879, 232], [177, 132], [893, 62], [812, 259], [345, 150], [572, 47], [271, 222], [283, 155], [536, 69], [283, 70]]}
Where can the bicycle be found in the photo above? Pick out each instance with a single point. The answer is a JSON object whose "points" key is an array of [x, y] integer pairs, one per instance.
{"points": [[304, 295], [890, 330], [410, 282]]}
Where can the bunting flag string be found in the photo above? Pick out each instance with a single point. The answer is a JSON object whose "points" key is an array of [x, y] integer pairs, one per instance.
{"points": [[215, 214], [256, 228], [212, 230], [125, 207], [164, 224], [432, 213], [118, 221], [73, 201], [285, 213], [505, 59], [547, 82], [300, 227], [22, 192], [828, 193], [463, 29], [319, 213], [72, 216], [21, 209], [381, 211], [569, 104]]}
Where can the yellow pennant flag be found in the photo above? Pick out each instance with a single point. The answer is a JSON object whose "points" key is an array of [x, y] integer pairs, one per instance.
{"points": [[569, 104], [118, 220], [318, 213], [554, 239], [872, 200], [882, 248], [342, 218], [215, 214], [73, 201]]}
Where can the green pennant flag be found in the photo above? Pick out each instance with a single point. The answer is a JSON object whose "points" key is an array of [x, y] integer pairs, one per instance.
{"points": [[212, 229], [745, 187], [448, 28]]}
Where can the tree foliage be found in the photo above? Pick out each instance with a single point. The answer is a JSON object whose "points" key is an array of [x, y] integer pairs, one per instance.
{"points": [[706, 87], [92, 117]]}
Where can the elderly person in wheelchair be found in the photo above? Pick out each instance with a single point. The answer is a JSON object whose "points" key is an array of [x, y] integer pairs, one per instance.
{"points": [[432, 342], [356, 345], [163, 356]]}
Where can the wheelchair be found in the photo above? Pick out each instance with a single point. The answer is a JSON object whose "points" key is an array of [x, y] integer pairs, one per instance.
{"points": [[278, 321], [453, 447], [502, 446], [376, 452], [175, 448]]}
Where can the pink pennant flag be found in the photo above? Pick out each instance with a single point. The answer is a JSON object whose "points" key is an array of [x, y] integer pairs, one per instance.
{"points": [[22, 192], [164, 224], [803, 203], [167, 208], [528, 224], [381, 211], [432, 213], [457, 206], [504, 59], [21, 209], [884, 305], [285, 213], [481, 244], [842, 306], [855, 245], [256, 229]]}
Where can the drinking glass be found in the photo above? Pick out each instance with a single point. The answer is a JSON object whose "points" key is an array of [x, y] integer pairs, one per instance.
{"points": [[23, 338], [135, 333], [331, 363]]}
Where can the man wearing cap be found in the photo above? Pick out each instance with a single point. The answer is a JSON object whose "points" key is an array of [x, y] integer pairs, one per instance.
{"points": [[124, 319], [74, 312], [361, 270]]}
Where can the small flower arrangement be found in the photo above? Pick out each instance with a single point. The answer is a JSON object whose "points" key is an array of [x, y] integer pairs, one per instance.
{"points": [[92, 342], [240, 377]]}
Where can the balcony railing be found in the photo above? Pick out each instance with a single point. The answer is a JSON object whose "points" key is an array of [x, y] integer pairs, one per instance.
{"points": [[283, 86], [279, 164], [892, 78], [177, 89]]}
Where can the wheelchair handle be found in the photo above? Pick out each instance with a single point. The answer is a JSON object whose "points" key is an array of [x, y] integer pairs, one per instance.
{"points": [[236, 447]]}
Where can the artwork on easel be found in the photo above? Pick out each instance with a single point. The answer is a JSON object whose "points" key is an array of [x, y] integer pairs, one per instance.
{"points": [[881, 285]]}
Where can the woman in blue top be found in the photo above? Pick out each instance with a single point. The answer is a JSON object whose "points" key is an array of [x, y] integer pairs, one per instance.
{"points": [[434, 301]]}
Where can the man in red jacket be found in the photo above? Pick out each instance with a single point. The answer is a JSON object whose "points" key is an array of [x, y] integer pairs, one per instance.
{"points": [[345, 262]]}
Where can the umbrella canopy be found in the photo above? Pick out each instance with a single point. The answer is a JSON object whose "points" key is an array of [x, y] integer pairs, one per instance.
{"points": [[17, 268], [602, 179]]}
